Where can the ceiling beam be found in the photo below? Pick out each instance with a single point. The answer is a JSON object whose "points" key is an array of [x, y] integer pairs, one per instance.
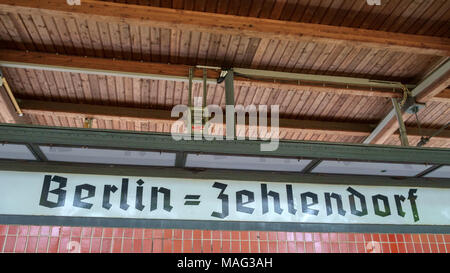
{"points": [[434, 84], [176, 72], [103, 112], [231, 25]]}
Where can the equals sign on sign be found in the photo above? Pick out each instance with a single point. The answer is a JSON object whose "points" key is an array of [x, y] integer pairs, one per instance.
{"points": [[192, 200]]}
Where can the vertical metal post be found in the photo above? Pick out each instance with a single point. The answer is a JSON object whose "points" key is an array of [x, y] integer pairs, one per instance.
{"points": [[401, 124], [229, 102], [190, 114], [205, 89]]}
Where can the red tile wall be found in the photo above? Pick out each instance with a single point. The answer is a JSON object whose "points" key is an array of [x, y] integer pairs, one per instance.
{"points": [[59, 239]]}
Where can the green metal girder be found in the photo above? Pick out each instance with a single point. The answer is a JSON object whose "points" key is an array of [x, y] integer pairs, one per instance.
{"points": [[154, 141]]}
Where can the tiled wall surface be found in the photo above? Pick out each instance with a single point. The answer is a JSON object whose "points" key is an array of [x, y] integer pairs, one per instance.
{"points": [[53, 239]]}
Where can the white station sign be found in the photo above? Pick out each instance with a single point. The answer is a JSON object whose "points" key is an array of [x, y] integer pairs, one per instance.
{"points": [[104, 196]]}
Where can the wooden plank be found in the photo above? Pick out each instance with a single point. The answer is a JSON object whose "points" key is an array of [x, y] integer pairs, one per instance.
{"points": [[177, 71], [232, 25]]}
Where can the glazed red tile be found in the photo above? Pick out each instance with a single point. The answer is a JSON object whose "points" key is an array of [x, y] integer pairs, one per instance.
{"points": [[392, 238], [393, 247], [157, 245], [263, 236], [97, 232], [108, 232], [282, 247], [343, 237], [137, 245], [244, 235], [177, 246], [63, 243], [441, 248], [431, 238], [343, 247], [352, 247], [226, 246], [117, 245], [207, 234], [167, 245], [416, 238], [206, 246], [96, 245], [216, 246], [439, 238], [197, 246], [309, 247], [254, 247], [235, 235], [85, 245], [263, 247], [177, 234], [128, 233], [367, 237], [65, 231], [446, 238], [32, 244], [335, 247], [401, 247], [361, 247], [12, 230], [3, 230], [426, 248], [245, 246], [197, 234], [55, 231], [21, 244], [424, 238], [272, 236], [254, 235], [317, 247], [226, 235], [384, 238], [324, 237], [117, 232], [187, 234], [410, 248], [273, 247], [75, 231], [434, 248], [148, 233], [138, 233], [23, 231], [45, 231], [86, 232], [325, 247], [42, 245], [147, 246], [53, 245], [359, 237], [187, 246], [399, 238], [316, 237], [167, 233], [308, 236], [281, 236], [299, 236], [292, 247], [334, 237], [10, 244], [418, 248], [408, 238], [216, 235], [385, 248], [290, 236], [235, 246], [106, 245], [300, 247]]}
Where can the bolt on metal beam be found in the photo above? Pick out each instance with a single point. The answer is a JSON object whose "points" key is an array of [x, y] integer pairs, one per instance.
{"points": [[401, 124]]}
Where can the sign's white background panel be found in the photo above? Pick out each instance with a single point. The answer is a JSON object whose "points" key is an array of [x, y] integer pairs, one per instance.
{"points": [[20, 194]]}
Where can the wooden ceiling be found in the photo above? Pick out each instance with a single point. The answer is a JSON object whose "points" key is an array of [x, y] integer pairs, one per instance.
{"points": [[126, 36]]}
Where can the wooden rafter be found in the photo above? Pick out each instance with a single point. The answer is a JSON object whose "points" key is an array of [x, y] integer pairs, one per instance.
{"points": [[232, 25]]}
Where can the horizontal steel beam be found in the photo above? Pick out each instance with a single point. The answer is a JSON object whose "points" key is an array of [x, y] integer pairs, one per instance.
{"points": [[164, 142]]}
